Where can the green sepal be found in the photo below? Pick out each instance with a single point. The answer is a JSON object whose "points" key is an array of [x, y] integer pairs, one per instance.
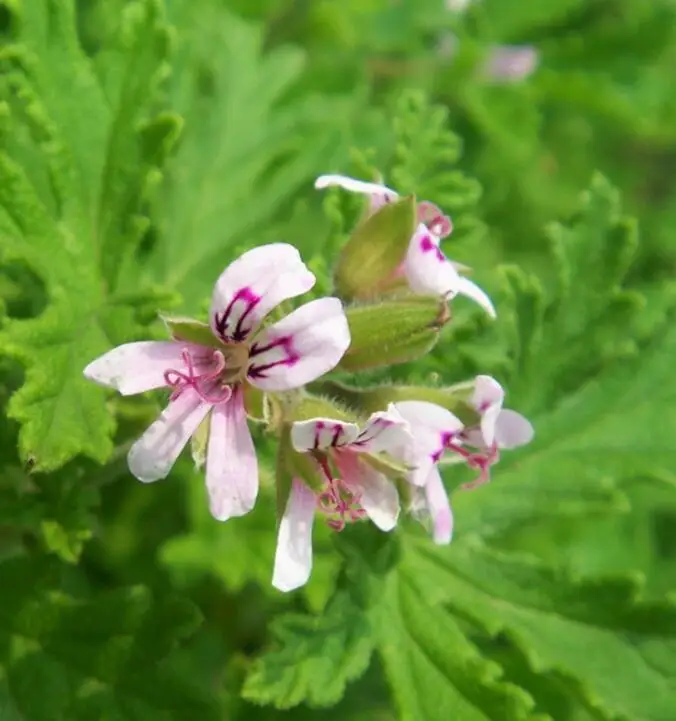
{"points": [[290, 465], [191, 331], [369, 400], [256, 404], [199, 441], [396, 330], [311, 406], [375, 250], [385, 464]]}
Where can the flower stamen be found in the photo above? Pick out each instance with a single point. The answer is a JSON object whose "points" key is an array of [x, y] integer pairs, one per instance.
{"points": [[180, 381]]}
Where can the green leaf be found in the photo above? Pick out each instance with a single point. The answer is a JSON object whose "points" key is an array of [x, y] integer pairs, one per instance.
{"points": [[614, 649], [377, 247], [85, 655], [313, 658], [248, 147], [76, 230]]}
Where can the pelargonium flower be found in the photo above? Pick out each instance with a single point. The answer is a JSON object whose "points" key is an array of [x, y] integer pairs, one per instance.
{"points": [[436, 431], [353, 489], [509, 63], [208, 379], [425, 267]]}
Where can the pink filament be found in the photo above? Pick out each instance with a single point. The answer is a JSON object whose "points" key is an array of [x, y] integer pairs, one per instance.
{"points": [[180, 381], [481, 461], [338, 500]]}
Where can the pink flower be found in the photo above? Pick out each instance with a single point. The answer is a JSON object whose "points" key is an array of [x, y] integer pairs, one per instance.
{"points": [[510, 63], [436, 431], [208, 379], [426, 268], [352, 488]]}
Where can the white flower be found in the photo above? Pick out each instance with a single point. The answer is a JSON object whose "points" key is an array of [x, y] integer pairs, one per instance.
{"points": [[353, 491], [426, 268], [208, 380]]}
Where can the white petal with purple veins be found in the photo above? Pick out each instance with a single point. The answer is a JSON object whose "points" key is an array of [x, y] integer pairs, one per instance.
{"points": [[487, 398], [232, 468], [251, 286], [293, 556], [301, 347], [156, 451], [512, 429], [322, 433], [137, 367], [384, 431], [431, 426], [426, 268], [377, 495]]}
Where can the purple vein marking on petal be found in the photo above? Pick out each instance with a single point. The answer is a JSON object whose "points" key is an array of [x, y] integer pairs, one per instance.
{"points": [[427, 245], [319, 427], [446, 438], [337, 433], [377, 427], [221, 320], [285, 343]]}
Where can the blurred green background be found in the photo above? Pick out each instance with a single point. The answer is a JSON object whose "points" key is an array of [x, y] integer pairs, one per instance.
{"points": [[269, 94]]}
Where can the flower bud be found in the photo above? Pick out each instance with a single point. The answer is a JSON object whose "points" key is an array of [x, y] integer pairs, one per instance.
{"points": [[454, 398], [393, 331], [369, 260]]}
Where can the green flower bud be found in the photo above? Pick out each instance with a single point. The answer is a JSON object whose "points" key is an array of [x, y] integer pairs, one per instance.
{"points": [[377, 247], [393, 331], [454, 398]]}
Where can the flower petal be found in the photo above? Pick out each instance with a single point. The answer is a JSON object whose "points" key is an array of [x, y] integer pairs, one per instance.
{"points": [[136, 367], [293, 556], [156, 451], [426, 268], [232, 468], [301, 347], [322, 433], [511, 62], [431, 426], [384, 431], [251, 286], [487, 398], [439, 508], [513, 430], [471, 290], [355, 186], [377, 495]]}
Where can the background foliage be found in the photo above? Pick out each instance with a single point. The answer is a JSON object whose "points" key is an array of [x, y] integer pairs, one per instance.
{"points": [[143, 144]]}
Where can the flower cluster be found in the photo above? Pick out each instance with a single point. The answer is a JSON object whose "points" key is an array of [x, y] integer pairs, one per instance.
{"points": [[343, 463]]}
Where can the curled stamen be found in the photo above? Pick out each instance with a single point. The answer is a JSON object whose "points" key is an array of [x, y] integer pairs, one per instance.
{"points": [[481, 461], [180, 381], [338, 500], [438, 223]]}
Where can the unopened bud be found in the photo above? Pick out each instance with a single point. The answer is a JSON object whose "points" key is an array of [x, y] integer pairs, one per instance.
{"points": [[370, 259], [393, 331], [456, 398]]}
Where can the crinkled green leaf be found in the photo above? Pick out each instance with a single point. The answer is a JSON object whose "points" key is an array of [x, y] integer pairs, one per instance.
{"points": [[313, 657], [616, 650], [74, 174], [247, 148], [62, 658]]}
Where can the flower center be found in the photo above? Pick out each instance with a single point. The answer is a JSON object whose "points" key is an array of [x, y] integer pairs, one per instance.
{"points": [[210, 376], [337, 501]]}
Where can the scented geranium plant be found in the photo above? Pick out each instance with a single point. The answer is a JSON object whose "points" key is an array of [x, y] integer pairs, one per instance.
{"points": [[346, 468]]}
